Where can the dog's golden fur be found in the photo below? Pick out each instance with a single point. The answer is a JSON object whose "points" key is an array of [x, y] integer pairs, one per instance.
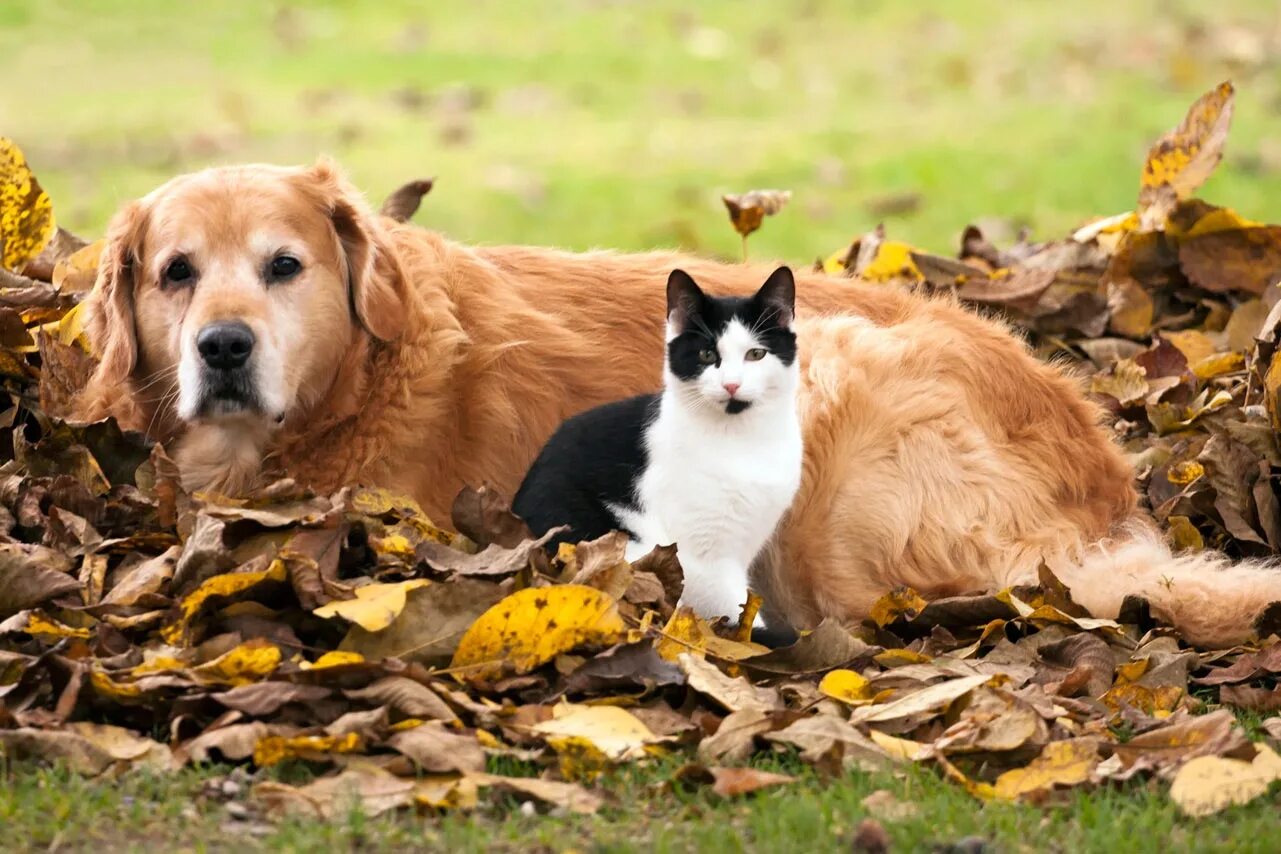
{"points": [[939, 452]]}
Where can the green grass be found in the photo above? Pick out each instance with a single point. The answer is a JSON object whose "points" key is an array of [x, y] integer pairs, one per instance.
{"points": [[45, 808], [621, 123]]}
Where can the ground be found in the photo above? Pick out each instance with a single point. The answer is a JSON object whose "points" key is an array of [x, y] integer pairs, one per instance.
{"points": [[48, 809], [596, 123]]}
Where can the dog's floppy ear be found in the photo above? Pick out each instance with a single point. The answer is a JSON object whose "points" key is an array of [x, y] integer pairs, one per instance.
{"points": [[374, 274], [109, 311]]}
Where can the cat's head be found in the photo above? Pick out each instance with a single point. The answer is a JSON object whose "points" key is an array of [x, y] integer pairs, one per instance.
{"points": [[728, 353]]}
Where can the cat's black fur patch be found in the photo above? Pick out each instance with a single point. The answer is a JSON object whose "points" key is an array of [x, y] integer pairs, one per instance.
{"points": [[592, 460]]}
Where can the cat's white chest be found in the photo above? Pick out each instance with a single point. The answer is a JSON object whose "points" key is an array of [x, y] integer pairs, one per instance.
{"points": [[718, 494]]}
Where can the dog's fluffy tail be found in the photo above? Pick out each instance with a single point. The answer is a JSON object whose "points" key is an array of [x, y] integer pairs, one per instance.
{"points": [[1213, 601]]}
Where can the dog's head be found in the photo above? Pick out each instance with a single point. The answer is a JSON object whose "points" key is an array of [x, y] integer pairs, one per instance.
{"points": [[235, 293]]}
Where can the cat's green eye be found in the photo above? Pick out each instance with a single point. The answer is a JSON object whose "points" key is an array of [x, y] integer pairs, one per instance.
{"points": [[707, 356], [755, 354]]}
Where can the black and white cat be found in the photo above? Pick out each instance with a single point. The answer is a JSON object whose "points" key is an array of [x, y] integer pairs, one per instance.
{"points": [[711, 463]]}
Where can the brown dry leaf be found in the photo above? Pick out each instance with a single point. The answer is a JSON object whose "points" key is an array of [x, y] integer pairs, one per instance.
{"points": [[492, 561], [403, 203], [146, 578], [485, 517], [818, 736], [1244, 260], [31, 576], [375, 790], [1132, 309], [733, 693], [748, 210], [263, 699], [434, 749], [569, 796], [1127, 383], [735, 738], [1249, 697], [830, 645], [530, 627], [1181, 738], [77, 273], [1180, 161], [405, 697], [930, 701], [730, 782], [1208, 784], [87, 748]]}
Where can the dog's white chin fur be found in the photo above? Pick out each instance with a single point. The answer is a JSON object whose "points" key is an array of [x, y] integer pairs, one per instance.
{"points": [[223, 454]]}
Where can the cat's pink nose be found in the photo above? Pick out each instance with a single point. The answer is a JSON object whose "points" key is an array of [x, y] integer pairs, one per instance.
{"points": [[732, 388]]}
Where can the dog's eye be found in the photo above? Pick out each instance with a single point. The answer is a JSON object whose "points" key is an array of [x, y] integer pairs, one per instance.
{"points": [[179, 272], [755, 354], [285, 267], [707, 356]]}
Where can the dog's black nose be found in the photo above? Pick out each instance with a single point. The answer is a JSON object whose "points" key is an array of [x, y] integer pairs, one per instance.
{"points": [[225, 345]]}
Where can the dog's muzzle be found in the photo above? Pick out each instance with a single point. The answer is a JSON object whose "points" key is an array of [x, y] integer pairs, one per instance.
{"points": [[225, 349]]}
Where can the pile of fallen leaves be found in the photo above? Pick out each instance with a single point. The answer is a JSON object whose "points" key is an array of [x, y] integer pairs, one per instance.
{"points": [[141, 626]]}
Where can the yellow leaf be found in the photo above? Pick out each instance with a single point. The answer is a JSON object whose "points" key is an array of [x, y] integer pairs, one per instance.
{"points": [[1183, 535], [846, 686], [1218, 364], [26, 214], [899, 657], [1193, 344], [683, 633], [1061, 763], [156, 665], [1127, 383], [252, 661], [44, 626], [534, 625], [835, 263], [1163, 698], [614, 731], [893, 261], [1272, 397], [902, 749], [447, 792], [1219, 219], [751, 608], [1181, 474], [1180, 161], [77, 272], [901, 601], [108, 687], [1132, 309], [275, 749], [217, 587], [375, 607], [336, 658], [589, 738], [1207, 784]]}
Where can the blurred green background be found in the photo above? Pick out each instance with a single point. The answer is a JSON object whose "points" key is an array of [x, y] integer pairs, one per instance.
{"points": [[612, 123]]}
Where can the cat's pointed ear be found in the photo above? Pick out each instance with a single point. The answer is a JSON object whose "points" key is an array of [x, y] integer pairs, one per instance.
{"points": [[684, 299], [779, 295]]}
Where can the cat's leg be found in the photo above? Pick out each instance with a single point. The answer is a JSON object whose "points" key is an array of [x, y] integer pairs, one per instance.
{"points": [[715, 587]]}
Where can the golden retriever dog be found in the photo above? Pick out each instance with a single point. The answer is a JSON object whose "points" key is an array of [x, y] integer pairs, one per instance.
{"points": [[263, 320]]}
